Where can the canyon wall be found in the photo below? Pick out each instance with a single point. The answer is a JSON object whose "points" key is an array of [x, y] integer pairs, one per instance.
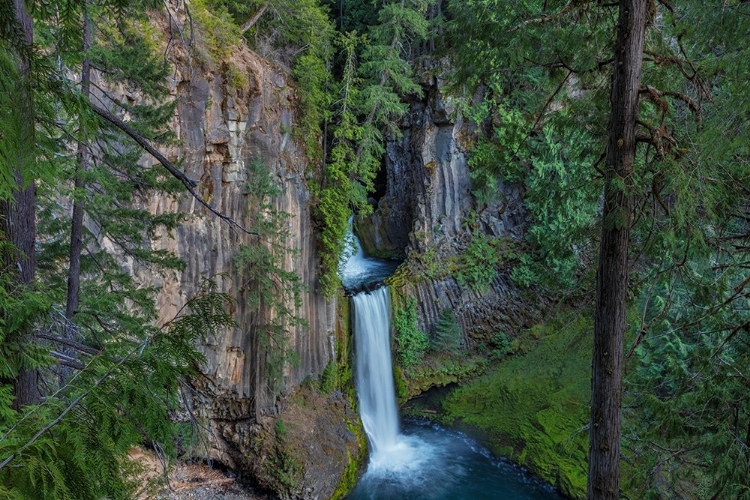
{"points": [[265, 431], [428, 214]]}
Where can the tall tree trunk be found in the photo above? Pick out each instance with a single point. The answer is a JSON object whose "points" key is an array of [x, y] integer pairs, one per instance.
{"points": [[76, 228], [18, 216], [612, 276]]}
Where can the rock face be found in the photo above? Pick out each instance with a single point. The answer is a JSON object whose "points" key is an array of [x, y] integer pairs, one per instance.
{"points": [[222, 129], [429, 213]]}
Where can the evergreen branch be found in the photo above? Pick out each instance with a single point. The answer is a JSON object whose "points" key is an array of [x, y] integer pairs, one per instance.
{"points": [[70, 343], [572, 5], [652, 91], [551, 97], [137, 348], [72, 405], [189, 184]]}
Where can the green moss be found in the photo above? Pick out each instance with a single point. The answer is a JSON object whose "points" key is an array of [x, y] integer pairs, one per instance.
{"points": [[401, 384], [533, 407], [439, 370], [355, 464], [348, 479]]}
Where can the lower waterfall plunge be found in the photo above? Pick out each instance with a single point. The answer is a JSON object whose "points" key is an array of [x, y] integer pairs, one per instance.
{"points": [[377, 397], [425, 461]]}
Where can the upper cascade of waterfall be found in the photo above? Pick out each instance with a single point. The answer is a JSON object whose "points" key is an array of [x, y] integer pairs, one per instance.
{"points": [[359, 272]]}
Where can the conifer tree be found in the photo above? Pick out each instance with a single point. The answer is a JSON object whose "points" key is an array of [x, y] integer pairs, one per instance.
{"points": [[18, 202], [612, 276], [125, 371], [681, 208], [376, 74]]}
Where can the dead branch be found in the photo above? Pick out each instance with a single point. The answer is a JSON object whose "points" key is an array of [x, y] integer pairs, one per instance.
{"points": [[658, 137], [67, 360], [69, 343], [254, 19], [189, 184]]}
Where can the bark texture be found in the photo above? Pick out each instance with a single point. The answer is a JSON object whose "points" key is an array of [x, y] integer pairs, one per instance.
{"points": [[612, 276], [17, 216], [76, 229]]}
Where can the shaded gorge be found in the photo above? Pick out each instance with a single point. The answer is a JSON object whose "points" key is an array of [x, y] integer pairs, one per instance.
{"points": [[420, 460]]}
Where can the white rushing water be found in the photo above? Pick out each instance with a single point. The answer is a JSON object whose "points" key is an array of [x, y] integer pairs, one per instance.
{"points": [[377, 397], [390, 451], [425, 462]]}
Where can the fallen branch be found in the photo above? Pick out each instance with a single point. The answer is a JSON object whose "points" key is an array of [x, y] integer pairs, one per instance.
{"points": [[189, 184], [251, 22]]}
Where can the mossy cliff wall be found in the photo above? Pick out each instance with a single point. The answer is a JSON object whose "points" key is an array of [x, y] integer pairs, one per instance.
{"points": [[295, 440], [428, 215]]}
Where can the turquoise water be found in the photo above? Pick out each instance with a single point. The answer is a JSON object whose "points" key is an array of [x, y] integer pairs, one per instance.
{"points": [[417, 460], [434, 463]]}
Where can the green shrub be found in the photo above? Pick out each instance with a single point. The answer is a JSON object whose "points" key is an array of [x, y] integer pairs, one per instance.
{"points": [[501, 345], [448, 333], [280, 429], [328, 379], [411, 342], [477, 266]]}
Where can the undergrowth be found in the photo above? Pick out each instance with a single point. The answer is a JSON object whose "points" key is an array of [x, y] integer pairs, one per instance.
{"points": [[533, 408]]}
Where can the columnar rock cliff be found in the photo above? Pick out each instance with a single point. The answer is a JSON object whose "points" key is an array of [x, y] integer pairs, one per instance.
{"points": [[428, 213], [247, 424]]}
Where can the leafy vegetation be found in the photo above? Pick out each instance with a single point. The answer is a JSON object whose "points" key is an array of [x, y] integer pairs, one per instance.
{"points": [[411, 342], [75, 443], [272, 292], [477, 266]]}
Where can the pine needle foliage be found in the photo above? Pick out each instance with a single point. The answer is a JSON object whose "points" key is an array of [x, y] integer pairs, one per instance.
{"points": [[376, 74], [74, 445], [411, 342], [119, 386], [273, 292], [448, 334]]}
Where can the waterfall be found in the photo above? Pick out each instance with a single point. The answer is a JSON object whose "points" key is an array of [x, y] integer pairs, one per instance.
{"points": [[377, 397], [422, 464]]}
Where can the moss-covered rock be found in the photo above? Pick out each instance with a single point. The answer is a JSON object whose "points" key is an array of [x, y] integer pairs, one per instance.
{"points": [[533, 407], [309, 449]]}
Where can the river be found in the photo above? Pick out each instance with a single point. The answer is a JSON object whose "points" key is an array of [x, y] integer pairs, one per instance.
{"points": [[417, 460]]}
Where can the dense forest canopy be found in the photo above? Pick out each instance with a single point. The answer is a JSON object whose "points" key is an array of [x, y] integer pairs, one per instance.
{"points": [[638, 152]]}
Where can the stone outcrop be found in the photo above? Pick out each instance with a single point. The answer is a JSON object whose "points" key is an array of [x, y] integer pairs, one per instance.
{"points": [[426, 213], [222, 128]]}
